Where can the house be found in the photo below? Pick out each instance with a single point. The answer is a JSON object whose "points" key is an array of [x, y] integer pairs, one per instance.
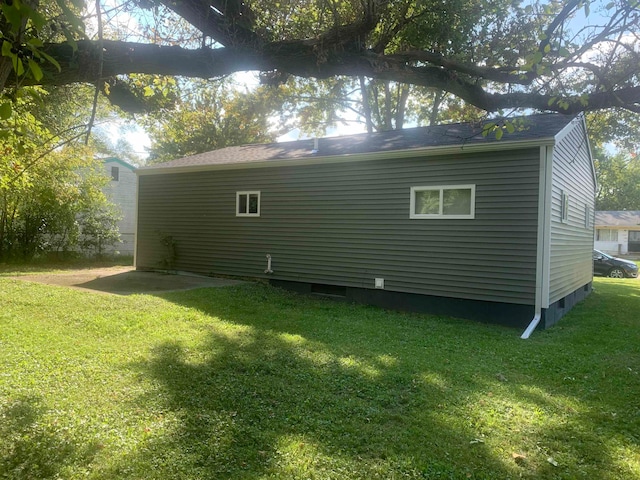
{"points": [[121, 190], [617, 232], [441, 219]]}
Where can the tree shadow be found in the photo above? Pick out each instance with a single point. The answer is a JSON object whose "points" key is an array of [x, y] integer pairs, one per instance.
{"points": [[291, 385], [254, 402], [31, 449]]}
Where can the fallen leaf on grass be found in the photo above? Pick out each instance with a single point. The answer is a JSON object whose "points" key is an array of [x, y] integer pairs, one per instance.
{"points": [[552, 461]]}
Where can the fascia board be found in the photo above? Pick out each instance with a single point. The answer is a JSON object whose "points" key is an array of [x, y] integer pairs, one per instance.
{"points": [[120, 162]]}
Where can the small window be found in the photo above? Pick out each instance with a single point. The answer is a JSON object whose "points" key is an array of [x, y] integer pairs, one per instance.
{"points": [[248, 204], [588, 215], [606, 235], [564, 208], [115, 173], [451, 201]]}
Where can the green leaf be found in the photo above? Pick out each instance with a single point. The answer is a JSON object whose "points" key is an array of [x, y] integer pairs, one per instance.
{"points": [[547, 48], [537, 57], [148, 91], [487, 128], [18, 66], [37, 18], [50, 59], [70, 40], [6, 49], [563, 52], [35, 70], [5, 110], [499, 133], [13, 16], [35, 42], [551, 101], [510, 127]]}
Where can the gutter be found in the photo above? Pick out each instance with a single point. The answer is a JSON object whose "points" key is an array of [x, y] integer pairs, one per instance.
{"points": [[348, 157]]}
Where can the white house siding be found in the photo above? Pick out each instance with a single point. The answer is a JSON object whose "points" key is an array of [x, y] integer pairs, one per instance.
{"points": [[626, 224], [618, 247], [123, 193], [571, 241]]}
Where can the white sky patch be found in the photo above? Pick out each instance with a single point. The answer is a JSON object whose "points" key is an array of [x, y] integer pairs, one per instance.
{"points": [[130, 132], [339, 131], [139, 140], [114, 20]]}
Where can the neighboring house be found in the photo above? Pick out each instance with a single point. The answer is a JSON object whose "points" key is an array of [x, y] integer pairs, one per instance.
{"points": [[617, 232], [441, 219], [122, 191]]}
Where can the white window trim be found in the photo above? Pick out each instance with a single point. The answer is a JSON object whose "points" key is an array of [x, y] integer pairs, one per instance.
{"points": [[587, 217], [441, 188], [247, 193], [599, 232]]}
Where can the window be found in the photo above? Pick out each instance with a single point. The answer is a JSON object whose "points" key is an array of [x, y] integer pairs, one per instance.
{"points": [[247, 204], [588, 215], [115, 173], [564, 208], [451, 201], [606, 235]]}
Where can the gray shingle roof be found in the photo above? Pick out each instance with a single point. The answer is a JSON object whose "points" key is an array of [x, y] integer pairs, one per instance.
{"points": [[534, 127], [622, 218]]}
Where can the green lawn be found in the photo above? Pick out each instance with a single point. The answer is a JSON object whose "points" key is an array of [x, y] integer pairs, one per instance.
{"points": [[250, 382]]}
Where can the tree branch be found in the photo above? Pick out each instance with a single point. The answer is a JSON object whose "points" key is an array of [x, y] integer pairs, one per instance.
{"points": [[300, 58]]}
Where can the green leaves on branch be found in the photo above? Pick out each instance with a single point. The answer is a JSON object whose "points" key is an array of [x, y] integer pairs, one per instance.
{"points": [[498, 129], [22, 40]]}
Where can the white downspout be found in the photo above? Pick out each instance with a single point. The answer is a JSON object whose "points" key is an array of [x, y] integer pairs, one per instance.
{"points": [[544, 227], [532, 326]]}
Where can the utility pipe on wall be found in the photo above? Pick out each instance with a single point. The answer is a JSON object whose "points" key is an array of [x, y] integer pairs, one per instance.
{"points": [[268, 270]]}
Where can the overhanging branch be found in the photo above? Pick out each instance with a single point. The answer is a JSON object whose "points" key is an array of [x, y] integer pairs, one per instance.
{"points": [[303, 60]]}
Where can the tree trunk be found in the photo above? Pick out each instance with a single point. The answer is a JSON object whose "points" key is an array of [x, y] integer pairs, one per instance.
{"points": [[438, 96], [366, 106], [403, 97]]}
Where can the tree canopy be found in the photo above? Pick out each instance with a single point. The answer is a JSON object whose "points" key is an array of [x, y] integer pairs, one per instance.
{"points": [[494, 55]]}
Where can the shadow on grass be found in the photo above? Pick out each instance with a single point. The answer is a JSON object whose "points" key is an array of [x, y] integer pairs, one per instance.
{"points": [[30, 449], [292, 387]]}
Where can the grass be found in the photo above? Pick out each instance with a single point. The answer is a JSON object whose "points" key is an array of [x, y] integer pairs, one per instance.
{"points": [[50, 265], [250, 382]]}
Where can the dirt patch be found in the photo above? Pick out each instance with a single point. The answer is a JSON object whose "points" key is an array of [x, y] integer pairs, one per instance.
{"points": [[126, 280]]}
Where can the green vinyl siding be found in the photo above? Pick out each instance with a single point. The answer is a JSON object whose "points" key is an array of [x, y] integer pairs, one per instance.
{"points": [[348, 223], [571, 243]]}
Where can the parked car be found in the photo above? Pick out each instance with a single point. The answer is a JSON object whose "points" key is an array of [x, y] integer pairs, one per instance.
{"points": [[609, 266]]}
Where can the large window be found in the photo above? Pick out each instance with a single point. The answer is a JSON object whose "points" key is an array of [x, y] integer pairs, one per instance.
{"points": [[247, 204], [606, 235], [450, 201]]}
